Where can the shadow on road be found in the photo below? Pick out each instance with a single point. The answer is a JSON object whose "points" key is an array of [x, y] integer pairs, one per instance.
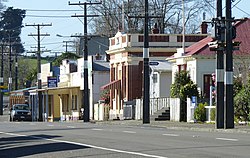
{"points": [[17, 146]]}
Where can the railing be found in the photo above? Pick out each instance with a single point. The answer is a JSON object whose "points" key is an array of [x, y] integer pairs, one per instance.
{"points": [[155, 104]]}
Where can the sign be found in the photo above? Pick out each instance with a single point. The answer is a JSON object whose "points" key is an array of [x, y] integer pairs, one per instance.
{"points": [[194, 98], [154, 63], [52, 81], [4, 90]]}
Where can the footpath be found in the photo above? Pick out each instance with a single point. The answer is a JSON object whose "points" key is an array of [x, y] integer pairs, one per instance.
{"points": [[209, 127]]}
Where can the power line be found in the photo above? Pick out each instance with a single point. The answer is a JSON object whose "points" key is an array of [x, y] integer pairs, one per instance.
{"points": [[51, 10], [39, 81], [242, 11], [49, 16], [86, 88]]}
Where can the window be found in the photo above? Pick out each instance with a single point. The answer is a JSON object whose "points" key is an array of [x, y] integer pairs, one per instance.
{"points": [[154, 78], [74, 102], [50, 105], [207, 78]]}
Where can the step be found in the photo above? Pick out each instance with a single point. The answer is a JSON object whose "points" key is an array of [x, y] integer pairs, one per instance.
{"points": [[166, 113], [161, 115], [162, 119]]}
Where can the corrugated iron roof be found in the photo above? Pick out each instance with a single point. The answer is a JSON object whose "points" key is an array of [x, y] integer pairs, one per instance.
{"points": [[200, 47], [243, 36], [101, 66], [162, 65]]}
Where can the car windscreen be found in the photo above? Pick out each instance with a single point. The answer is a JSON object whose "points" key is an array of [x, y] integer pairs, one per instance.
{"points": [[21, 107]]}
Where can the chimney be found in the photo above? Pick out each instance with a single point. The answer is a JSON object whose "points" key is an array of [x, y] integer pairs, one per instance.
{"points": [[98, 56], [204, 28], [155, 30]]}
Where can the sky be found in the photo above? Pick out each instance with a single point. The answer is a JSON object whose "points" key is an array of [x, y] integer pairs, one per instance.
{"points": [[68, 25], [65, 26]]}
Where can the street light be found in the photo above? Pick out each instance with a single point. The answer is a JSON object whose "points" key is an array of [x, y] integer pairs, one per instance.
{"points": [[58, 35], [66, 42]]}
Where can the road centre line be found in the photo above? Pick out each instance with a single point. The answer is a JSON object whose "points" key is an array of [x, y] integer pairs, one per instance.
{"points": [[128, 131], [171, 135], [228, 139], [88, 145]]}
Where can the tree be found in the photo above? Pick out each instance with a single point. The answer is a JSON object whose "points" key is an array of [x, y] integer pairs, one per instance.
{"points": [[182, 88], [59, 59], [117, 13], [10, 26], [2, 6], [10, 30]]}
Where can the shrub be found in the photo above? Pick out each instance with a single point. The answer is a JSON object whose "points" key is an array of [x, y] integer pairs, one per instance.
{"points": [[200, 112], [242, 104], [212, 114]]}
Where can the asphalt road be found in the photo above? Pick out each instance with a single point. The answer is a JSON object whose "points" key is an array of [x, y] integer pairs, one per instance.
{"points": [[68, 140]]}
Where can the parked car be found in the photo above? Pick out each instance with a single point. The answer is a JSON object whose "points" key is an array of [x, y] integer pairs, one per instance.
{"points": [[20, 112]]}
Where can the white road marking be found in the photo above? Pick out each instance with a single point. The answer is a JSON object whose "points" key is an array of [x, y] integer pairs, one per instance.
{"points": [[228, 139], [88, 145], [195, 136], [50, 125], [128, 131], [96, 129], [70, 126], [171, 135], [12, 134]]}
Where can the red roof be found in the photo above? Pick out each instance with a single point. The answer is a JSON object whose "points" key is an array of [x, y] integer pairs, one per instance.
{"points": [[200, 47], [243, 36], [116, 84]]}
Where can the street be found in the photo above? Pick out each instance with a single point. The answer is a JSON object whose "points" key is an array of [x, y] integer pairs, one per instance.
{"points": [[75, 139]]}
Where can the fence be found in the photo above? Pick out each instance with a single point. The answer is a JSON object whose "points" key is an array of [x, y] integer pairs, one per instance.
{"points": [[191, 108]]}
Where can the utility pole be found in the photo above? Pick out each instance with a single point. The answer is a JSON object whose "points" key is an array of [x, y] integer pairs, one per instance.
{"points": [[55, 54], [66, 45], [146, 100], [229, 107], [1, 80], [220, 28], [39, 81], [86, 87], [16, 72], [146, 80], [10, 68]]}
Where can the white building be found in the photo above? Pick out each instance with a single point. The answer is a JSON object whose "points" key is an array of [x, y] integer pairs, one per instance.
{"points": [[65, 101], [160, 78]]}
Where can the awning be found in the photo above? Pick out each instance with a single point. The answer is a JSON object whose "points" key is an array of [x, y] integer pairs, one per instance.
{"points": [[112, 85]]}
